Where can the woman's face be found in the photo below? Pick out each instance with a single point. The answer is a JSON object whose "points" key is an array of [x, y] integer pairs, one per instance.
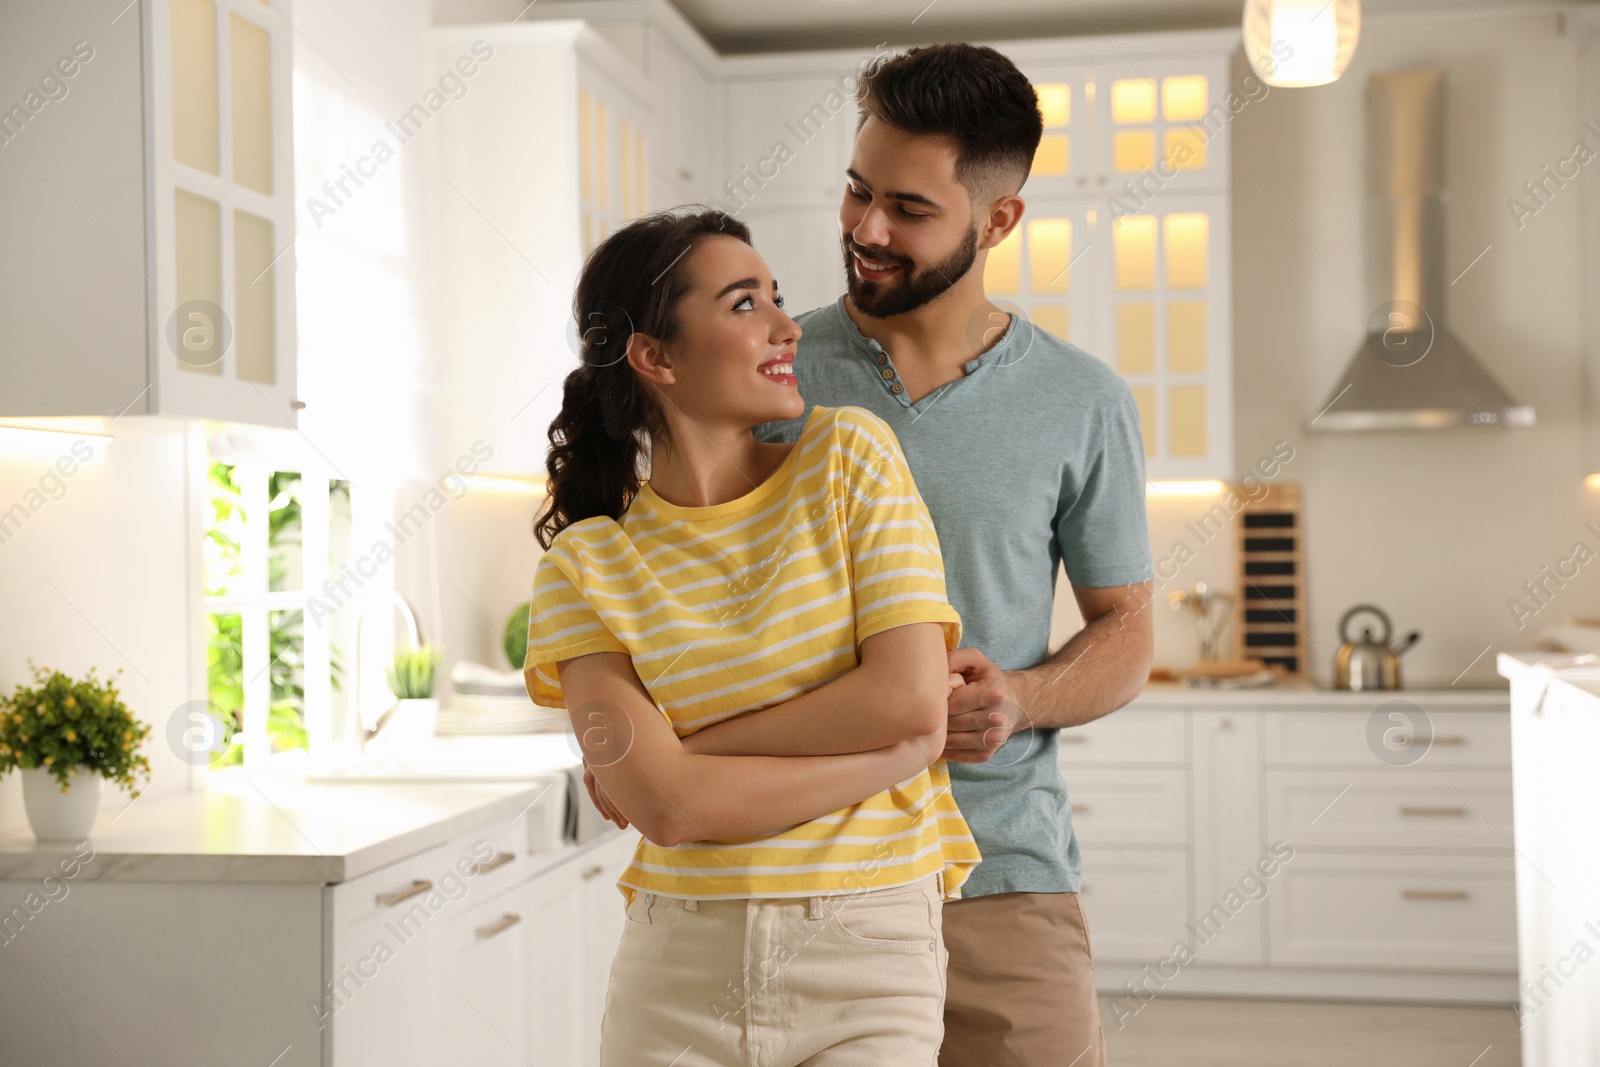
{"points": [[733, 357]]}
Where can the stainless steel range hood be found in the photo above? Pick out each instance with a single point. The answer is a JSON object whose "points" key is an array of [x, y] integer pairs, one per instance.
{"points": [[1411, 372]]}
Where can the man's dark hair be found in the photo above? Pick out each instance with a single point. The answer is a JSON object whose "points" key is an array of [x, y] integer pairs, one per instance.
{"points": [[969, 93]]}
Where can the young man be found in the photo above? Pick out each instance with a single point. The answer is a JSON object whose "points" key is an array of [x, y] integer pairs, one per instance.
{"points": [[1027, 451]]}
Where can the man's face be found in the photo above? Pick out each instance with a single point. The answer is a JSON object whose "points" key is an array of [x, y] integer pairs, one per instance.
{"points": [[906, 224]]}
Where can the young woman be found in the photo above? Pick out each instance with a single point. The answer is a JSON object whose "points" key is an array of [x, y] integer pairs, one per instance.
{"points": [[752, 647]]}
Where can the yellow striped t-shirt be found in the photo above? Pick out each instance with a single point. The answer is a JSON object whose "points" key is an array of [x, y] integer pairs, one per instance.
{"points": [[746, 604]]}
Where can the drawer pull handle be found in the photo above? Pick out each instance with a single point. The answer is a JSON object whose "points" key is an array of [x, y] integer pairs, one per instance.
{"points": [[500, 860], [592, 872], [418, 885], [1423, 810], [1080, 809], [1442, 739], [1073, 739], [1434, 894], [490, 931]]}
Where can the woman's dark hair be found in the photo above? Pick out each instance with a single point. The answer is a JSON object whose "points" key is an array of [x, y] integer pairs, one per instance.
{"points": [[632, 281], [969, 93]]}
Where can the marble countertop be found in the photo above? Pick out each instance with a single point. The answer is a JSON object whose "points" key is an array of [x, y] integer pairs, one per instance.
{"points": [[275, 826], [1301, 695]]}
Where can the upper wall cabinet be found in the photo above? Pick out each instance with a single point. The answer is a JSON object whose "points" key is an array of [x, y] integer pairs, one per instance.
{"points": [[147, 184], [1131, 129], [1124, 248], [1125, 245], [553, 149]]}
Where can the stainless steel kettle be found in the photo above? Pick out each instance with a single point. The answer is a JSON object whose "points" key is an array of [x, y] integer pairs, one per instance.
{"points": [[1371, 662]]}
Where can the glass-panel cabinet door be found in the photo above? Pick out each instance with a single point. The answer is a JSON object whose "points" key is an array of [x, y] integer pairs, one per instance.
{"points": [[1162, 126], [222, 226], [1166, 327], [1045, 270], [1063, 162], [613, 157]]}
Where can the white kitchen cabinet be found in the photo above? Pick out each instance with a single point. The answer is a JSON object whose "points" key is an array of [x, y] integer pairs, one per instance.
{"points": [[549, 152], [485, 973], [151, 168], [381, 997], [559, 1032], [1045, 271], [1370, 909], [683, 126], [1380, 879], [1159, 125], [1227, 847], [1555, 732], [1124, 250], [1159, 122], [1135, 901], [803, 251], [788, 140]]}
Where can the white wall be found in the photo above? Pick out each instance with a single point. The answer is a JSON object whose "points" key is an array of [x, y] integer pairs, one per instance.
{"points": [[97, 577]]}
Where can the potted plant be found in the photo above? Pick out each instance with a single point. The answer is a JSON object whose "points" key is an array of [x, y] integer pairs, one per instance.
{"points": [[411, 681], [65, 735]]}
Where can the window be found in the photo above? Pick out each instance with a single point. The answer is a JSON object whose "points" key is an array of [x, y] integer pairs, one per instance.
{"points": [[277, 633]]}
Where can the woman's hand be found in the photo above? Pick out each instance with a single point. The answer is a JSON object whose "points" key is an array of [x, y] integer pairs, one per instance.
{"points": [[597, 794]]}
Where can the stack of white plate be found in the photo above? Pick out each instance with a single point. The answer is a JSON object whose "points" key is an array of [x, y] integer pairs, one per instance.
{"points": [[488, 701]]}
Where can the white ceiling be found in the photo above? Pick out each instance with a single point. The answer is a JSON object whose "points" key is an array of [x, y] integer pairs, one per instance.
{"points": [[771, 25]]}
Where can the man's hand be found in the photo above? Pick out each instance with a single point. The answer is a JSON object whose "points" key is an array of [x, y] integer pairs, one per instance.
{"points": [[601, 801], [984, 711]]}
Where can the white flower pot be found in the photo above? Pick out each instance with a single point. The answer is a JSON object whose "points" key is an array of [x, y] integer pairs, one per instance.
{"points": [[57, 816], [413, 721]]}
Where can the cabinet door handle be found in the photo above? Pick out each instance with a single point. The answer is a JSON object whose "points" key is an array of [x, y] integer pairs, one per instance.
{"points": [[592, 872], [1452, 739], [500, 860], [490, 931], [1434, 894], [418, 885], [1428, 812]]}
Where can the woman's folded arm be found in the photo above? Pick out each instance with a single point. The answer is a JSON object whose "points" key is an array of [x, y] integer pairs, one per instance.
{"points": [[898, 692], [672, 795]]}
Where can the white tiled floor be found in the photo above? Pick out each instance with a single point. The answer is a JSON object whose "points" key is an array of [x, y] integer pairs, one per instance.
{"points": [[1185, 1032]]}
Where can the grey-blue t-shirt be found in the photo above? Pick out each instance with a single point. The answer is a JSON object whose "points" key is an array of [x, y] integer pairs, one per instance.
{"points": [[1031, 459]]}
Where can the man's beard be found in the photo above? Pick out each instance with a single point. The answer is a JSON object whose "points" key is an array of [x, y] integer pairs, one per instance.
{"points": [[911, 288]]}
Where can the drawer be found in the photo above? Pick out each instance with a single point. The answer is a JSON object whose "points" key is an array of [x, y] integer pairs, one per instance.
{"points": [[1129, 807], [1394, 912], [1135, 902], [395, 890], [1127, 737], [1397, 808], [1392, 732]]}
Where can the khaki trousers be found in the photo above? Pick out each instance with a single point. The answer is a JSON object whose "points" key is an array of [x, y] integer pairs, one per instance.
{"points": [[1021, 988], [841, 980]]}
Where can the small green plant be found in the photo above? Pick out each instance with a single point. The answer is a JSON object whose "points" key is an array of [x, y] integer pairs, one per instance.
{"points": [[60, 724], [411, 677]]}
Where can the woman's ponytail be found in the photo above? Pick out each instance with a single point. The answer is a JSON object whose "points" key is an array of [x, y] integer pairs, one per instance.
{"points": [[601, 439]]}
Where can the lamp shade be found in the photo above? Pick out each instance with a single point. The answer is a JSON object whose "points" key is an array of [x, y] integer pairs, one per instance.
{"points": [[1296, 43]]}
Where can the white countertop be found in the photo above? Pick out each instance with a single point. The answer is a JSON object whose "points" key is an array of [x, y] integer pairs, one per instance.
{"points": [[276, 826], [1300, 695], [1578, 674]]}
